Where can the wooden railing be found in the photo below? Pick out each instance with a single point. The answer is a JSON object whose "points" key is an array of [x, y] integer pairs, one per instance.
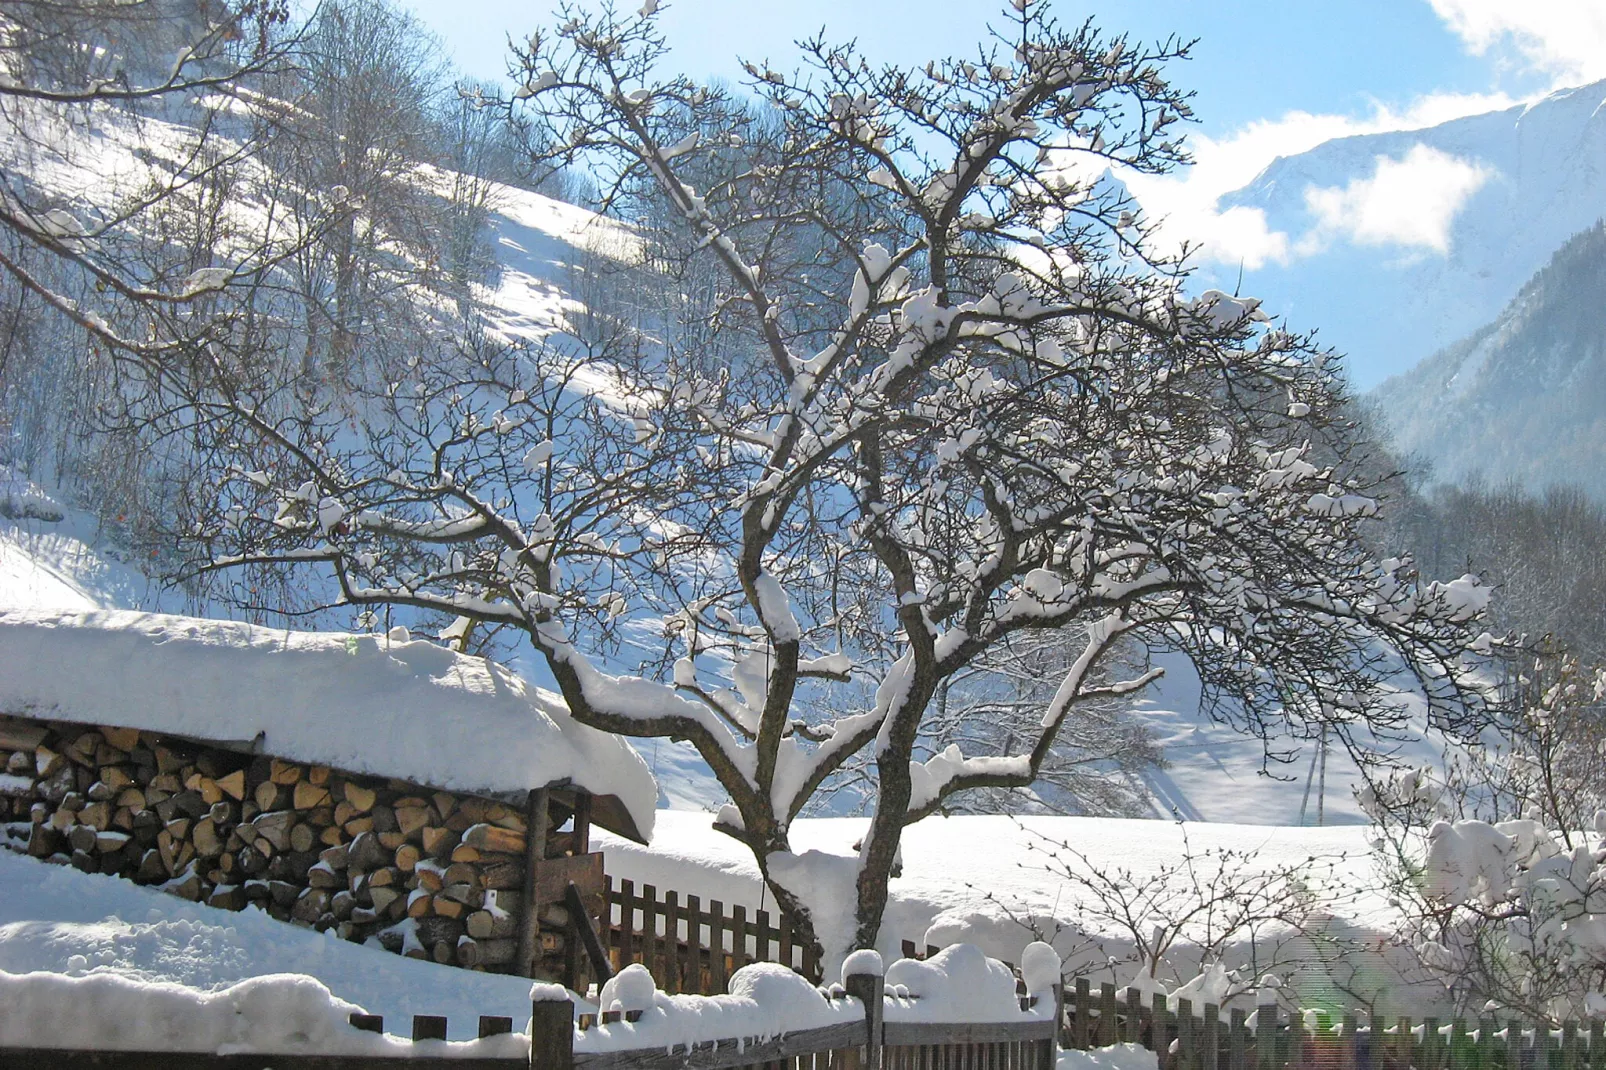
{"points": [[692, 948], [1211, 1040]]}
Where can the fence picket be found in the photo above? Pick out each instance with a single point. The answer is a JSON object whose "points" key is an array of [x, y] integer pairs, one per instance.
{"points": [[1266, 1036], [1210, 1042], [1238, 1040]]}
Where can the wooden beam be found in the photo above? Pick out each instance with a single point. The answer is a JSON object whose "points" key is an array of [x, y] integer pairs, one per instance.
{"points": [[535, 830], [582, 822], [581, 924]]}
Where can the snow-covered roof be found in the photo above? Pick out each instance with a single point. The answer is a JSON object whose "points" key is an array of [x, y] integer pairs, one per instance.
{"points": [[410, 710]]}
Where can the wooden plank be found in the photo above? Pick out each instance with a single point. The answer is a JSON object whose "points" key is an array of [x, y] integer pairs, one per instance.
{"points": [[738, 937], [1597, 1045], [909, 1034], [725, 1053], [529, 932], [1266, 1036], [1237, 1040], [552, 1035], [762, 932], [718, 925], [1210, 1038], [1134, 1016], [629, 935], [1513, 1045], [1084, 1011], [695, 947], [649, 930], [580, 925], [671, 981], [1107, 1031], [1569, 1045], [1185, 1045]]}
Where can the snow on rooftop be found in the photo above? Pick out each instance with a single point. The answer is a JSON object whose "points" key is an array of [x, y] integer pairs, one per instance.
{"points": [[362, 703]]}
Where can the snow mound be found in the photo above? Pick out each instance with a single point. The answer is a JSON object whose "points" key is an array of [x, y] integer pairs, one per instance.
{"points": [[362, 703], [957, 984]]}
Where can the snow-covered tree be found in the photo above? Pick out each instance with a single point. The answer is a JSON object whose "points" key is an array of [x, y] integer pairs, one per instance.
{"points": [[1009, 418]]}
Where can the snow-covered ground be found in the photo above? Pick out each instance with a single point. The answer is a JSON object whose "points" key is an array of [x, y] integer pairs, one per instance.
{"points": [[993, 881], [58, 920]]}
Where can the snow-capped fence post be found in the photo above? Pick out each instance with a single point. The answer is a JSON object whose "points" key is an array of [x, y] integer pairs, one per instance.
{"points": [[862, 977], [551, 1028]]}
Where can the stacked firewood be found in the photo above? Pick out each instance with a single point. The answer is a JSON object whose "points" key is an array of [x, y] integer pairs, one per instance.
{"points": [[429, 874]]}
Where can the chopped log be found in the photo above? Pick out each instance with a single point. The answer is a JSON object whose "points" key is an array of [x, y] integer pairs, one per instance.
{"points": [[275, 828], [486, 925], [132, 798], [445, 802], [503, 875], [444, 952], [283, 893], [495, 839], [44, 841], [271, 796], [19, 735], [437, 841], [311, 905], [116, 777], [62, 820], [391, 840], [283, 772], [47, 762], [82, 749], [151, 867], [383, 898], [361, 799], [123, 819], [464, 853], [335, 857], [407, 857], [85, 862], [428, 877], [190, 804], [333, 836], [224, 813], [111, 842], [228, 865], [445, 907], [98, 814], [385, 877], [124, 739], [233, 785], [323, 876], [462, 873], [227, 897], [82, 839], [179, 828], [365, 854], [168, 761], [186, 885], [490, 952], [319, 775], [20, 763], [358, 825], [303, 837], [418, 904], [344, 812], [342, 904], [411, 820], [384, 819], [204, 835], [251, 861], [308, 795], [466, 894], [100, 791]]}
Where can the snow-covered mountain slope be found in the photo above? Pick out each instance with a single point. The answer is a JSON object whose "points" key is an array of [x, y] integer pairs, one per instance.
{"points": [[1400, 243], [1523, 396]]}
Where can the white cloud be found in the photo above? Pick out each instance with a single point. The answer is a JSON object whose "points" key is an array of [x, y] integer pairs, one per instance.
{"points": [[1409, 202], [1189, 200], [1563, 38]]}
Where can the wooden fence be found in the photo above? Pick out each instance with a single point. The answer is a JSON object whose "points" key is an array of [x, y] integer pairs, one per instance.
{"points": [[1211, 1040], [868, 1043], [692, 948]]}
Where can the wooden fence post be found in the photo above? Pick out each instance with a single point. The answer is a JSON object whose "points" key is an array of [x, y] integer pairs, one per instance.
{"points": [[1266, 1036], [552, 1035], [529, 932], [867, 988]]}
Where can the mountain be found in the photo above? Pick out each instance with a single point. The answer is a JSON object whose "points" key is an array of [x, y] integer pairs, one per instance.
{"points": [[1523, 397], [1401, 243]]}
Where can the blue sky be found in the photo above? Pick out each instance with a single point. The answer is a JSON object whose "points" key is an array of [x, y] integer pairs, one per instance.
{"points": [[1272, 77]]}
